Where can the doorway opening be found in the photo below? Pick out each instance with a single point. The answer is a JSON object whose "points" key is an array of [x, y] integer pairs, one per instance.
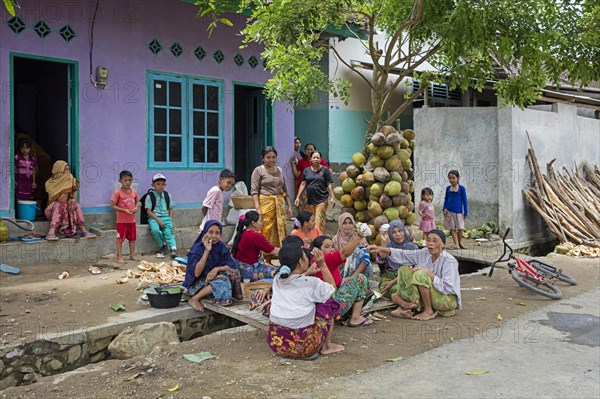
{"points": [[44, 112], [253, 131]]}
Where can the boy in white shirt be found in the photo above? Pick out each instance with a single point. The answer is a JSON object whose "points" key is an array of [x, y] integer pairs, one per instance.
{"points": [[212, 206]]}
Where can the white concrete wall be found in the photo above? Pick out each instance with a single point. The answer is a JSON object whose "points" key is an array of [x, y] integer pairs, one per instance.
{"points": [[488, 147], [464, 139]]}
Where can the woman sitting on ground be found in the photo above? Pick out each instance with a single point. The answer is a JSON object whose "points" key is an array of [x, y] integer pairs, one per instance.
{"points": [[305, 228], [432, 286], [359, 261], [247, 247], [300, 323], [207, 259], [398, 238], [63, 210]]}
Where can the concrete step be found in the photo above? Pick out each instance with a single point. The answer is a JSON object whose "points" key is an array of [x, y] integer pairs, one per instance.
{"points": [[18, 253]]}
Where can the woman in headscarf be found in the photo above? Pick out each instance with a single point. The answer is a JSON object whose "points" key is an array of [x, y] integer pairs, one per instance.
{"points": [[398, 239], [63, 211], [360, 260], [430, 285], [208, 259]]}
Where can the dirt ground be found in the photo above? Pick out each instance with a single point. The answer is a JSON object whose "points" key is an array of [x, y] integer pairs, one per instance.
{"points": [[37, 301]]}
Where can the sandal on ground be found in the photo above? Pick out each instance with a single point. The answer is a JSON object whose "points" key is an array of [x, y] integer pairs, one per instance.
{"points": [[51, 237], [94, 270], [365, 322], [88, 234]]}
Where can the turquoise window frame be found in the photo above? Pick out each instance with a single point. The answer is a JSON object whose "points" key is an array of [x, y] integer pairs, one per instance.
{"points": [[187, 123]]}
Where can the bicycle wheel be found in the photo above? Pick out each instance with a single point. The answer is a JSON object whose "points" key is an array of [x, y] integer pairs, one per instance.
{"points": [[544, 289], [551, 271]]}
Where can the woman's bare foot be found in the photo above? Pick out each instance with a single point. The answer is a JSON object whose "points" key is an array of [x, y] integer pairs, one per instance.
{"points": [[133, 258], [402, 313], [120, 261], [398, 300], [332, 348], [425, 315], [196, 304]]}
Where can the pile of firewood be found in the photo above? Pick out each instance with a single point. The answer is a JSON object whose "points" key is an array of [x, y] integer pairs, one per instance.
{"points": [[568, 203]]}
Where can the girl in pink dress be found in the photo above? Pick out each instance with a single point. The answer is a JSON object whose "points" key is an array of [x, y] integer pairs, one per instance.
{"points": [[426, 211], [25, 166]]}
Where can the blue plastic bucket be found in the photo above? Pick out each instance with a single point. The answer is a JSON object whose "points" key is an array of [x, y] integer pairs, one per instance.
{"points": [[26, 210]]}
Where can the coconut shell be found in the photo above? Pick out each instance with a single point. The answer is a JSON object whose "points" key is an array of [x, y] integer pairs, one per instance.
{"points": [[338, 192], [385, 201], [411, 206], [376, 161], [393, 139], [407, 164], [385, 151], [368, 178], [410, 219], [403, 211], [378, 139], [410, 173], [405, 187], [372, 148], [374, 209], [404, 143], [360, 205], [368, 167], [399, 199], [376, 189], [351, 211], [347, 201], [348, 185], [343, 176], [381, 175], [409, 198], [359, 180], [408, 134], [387, 130], [358, 159], [395, 176], [362, 216], [393, 163], [412, 145], [379, 221], [404, 175], [358, 193], [352, 171]]}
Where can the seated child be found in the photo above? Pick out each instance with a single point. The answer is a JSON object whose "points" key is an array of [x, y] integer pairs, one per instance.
{"points": [[247, 246], [160, 216], [212, 206]]}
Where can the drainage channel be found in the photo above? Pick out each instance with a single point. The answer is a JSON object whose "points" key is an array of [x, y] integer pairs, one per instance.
{"points": [[58, 353]]}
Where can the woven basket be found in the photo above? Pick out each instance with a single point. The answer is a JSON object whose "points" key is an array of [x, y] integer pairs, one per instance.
{"points": [[242, 201], [249, 288]]}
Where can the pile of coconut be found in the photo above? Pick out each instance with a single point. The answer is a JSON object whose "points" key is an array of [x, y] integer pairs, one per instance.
{"points": [[380, 189]]}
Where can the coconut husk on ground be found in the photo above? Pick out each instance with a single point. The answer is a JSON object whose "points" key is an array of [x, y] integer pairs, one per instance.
{"points": [[157, 273]]}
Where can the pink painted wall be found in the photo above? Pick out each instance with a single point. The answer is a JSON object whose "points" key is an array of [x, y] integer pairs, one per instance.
{"points": [[112, 122]]}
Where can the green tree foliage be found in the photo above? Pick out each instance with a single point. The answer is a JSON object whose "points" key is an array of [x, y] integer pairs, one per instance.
{"points": [[534, 41]]}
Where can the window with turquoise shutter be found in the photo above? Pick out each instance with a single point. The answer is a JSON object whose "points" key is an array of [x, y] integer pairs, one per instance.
{"points": [[185, 122]]}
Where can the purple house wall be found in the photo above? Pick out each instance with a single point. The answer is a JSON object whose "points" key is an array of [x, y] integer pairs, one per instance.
{"points": [[112, 124]]}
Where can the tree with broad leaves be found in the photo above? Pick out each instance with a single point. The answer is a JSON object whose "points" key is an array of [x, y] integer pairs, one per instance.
{"points": [[534, 41]]}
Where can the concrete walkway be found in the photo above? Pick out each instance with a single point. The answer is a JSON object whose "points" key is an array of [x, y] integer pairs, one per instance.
{"points": [[553, 352]]}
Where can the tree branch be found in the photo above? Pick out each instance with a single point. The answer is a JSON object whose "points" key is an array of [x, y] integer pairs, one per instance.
{"points": [[406, 104]]}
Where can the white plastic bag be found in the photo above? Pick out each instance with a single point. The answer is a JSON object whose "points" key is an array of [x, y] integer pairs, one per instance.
{"points": [[240, 189], [231, 221]]}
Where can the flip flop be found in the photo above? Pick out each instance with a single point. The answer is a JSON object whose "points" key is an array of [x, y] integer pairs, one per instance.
{"points": [[9, 269], [30, 239], [361, 324], [94, 270], [52, 237]]}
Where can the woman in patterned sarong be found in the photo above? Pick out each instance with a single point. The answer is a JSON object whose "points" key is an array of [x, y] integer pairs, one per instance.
{"points": [[269, 192]]}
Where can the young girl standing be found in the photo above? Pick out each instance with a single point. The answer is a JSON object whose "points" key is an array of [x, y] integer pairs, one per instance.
{"points": [[25, 165], [426, 212], [456, 208]]}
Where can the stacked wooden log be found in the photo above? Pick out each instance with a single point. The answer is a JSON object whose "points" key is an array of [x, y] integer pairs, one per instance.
{"points": [[568, 203]]}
